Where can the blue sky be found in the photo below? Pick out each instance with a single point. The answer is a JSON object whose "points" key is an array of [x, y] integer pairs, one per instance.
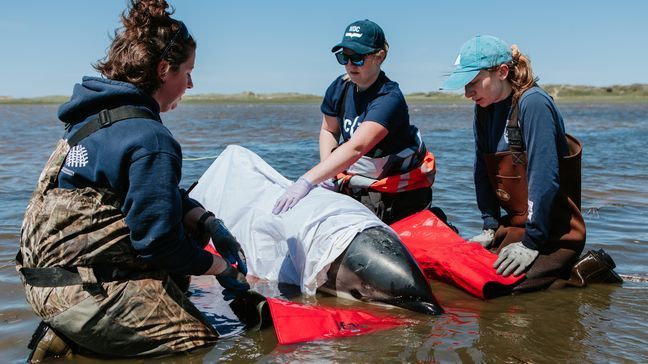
{"points": [[284, 46]]}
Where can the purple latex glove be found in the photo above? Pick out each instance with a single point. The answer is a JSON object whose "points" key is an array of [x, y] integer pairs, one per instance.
{"points": [[329, 184], [292, 195]]}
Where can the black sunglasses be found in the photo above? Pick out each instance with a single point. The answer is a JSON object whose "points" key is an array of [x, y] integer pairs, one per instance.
{"points": [[182, 31], [355, 58]]}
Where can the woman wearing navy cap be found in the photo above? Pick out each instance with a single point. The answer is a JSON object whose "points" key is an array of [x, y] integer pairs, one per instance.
{"points": [[381, 159], [524, 163]]}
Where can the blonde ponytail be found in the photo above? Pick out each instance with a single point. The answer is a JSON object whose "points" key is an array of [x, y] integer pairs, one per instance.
{"points": [[520, 75]]}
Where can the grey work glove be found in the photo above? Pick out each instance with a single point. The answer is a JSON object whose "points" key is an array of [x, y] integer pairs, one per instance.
{"points": [[226, 244], [485, 238], [233, 281], [516, 257], [292, 195]]}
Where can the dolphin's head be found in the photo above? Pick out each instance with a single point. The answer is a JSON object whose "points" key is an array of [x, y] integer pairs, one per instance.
{"points": [[376, 267]]}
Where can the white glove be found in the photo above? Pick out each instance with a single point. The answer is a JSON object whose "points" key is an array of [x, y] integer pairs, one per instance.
{"points": [[292, 195], [516, 257], [485, 238]]}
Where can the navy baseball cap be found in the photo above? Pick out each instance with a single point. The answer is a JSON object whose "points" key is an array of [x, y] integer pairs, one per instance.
{"points": [[362, 37], [478, 53]]}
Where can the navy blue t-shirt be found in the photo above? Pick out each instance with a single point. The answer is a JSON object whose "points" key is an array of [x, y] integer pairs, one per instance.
{"points": [[543, 139], [383, 103]]}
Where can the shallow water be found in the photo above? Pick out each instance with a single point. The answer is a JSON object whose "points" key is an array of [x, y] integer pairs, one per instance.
{"points": [[600, 323]]}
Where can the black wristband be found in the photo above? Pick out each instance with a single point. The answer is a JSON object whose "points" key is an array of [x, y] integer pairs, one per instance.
{"points": [[203, 218]]}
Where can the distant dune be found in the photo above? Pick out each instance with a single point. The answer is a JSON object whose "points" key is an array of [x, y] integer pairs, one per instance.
{"points": [[34, 100], [251, 97], [631, 92], [561, 93]]}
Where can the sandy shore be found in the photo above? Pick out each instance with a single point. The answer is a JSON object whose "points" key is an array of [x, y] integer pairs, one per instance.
{"points": [[637, 93]]}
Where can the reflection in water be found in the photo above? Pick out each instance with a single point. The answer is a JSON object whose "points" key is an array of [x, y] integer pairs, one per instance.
{"points": [[546, 326], [551, 326], [452, 338]]}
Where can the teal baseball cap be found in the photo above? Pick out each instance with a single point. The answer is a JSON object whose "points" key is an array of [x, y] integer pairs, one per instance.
{"points": [[362, 37], [478, 53]]}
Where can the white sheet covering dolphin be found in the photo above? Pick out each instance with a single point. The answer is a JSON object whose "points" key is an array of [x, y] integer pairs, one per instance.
{"points": [[299, 246]]}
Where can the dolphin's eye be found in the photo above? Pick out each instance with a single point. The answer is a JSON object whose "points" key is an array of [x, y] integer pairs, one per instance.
{"points": [[355, 294]]}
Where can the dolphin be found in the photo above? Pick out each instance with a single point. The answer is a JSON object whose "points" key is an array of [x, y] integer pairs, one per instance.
{"points": [[328, 242], [376, 267]]}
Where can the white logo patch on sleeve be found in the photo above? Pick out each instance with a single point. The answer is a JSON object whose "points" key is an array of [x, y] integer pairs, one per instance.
{"points": [[77, 157]]}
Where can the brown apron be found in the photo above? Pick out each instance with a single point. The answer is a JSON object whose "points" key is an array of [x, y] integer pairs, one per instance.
{"points": [[82, 276], [507, 174]]}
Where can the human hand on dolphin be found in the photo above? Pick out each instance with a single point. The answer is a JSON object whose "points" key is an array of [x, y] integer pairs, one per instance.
{"points": [[292, 195], [226, 244]]}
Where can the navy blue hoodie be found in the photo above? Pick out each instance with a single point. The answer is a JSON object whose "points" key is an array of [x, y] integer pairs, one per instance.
{"points": [[141, 161]]}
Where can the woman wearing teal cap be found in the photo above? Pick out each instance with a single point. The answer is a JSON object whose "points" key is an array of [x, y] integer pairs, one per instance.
{"points": [[381, 159], [524, 164]]}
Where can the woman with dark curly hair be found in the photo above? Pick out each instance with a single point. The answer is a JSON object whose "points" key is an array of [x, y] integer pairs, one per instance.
{"points": [[109, 239]]}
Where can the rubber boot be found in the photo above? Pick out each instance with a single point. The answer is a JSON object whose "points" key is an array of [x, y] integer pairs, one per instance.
{"points": [[594, 267], [253, 310], [45, 343]]}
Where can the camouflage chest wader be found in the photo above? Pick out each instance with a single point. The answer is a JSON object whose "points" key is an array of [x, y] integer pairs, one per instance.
{"points": [[81, 274], [507, 174]]}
